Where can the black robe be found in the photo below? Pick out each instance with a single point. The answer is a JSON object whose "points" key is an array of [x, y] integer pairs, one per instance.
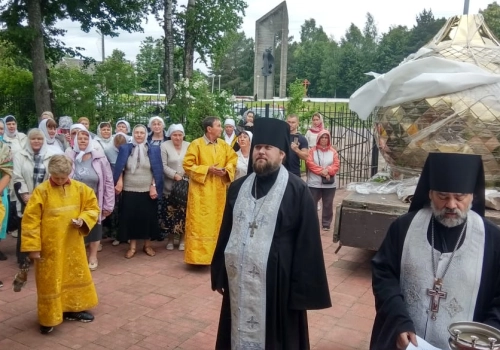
{"points": [[392, 316], [296, 276]]}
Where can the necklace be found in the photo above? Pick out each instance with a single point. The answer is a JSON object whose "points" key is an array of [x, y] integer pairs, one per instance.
{"points": [[436, 293], [253, 225]]}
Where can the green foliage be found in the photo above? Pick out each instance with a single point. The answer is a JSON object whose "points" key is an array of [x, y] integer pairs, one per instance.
{"points": [[116, 75], [296, 95], [149, 63], [108, 16], [236, 66], [15, 81], [194, 101], [75, 92], [492, 17], [209, 23]]}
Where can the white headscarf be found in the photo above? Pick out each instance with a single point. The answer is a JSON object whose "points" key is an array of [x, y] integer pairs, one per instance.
{"points": [[76, 148], [152, 119], [138, 153], [28, 147], [8, 119], [43, 128], [77, 126], [173, 128], [99, 135], [249, 133], [124, 122]]}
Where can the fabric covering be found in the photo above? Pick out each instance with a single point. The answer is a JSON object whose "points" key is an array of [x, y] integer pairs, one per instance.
{"points": [[63, 279]]}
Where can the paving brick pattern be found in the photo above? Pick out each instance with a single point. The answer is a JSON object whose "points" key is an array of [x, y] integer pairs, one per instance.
{"points": [[161, 303]]}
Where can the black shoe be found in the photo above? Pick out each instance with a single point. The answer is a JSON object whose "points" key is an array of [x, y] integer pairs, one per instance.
{"points": [[1, 284], [46, 330], [3, 256], [82, 316], [326, 228]]}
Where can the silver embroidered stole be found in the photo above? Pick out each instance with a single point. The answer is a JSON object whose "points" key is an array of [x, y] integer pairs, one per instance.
{"points": [[246, 258], [461, 283]]}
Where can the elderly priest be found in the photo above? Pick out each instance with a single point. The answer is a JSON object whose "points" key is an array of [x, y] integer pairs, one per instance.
{"points": [[440, 262]]}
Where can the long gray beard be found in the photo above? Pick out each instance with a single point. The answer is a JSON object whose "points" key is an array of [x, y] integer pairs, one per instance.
{"points": [[450, 222]]}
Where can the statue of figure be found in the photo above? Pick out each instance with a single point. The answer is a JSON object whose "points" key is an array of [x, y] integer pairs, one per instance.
{"points": [[268, 63]]}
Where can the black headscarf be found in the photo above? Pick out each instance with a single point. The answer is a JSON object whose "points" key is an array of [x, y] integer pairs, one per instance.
{"points": [[270, 131], [453, 173]]}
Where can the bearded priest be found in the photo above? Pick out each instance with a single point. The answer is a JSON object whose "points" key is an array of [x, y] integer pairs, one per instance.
{"points": [[440, 262]]}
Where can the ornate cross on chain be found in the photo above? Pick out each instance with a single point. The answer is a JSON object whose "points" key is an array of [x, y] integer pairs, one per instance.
{"points": [[436, 295], [252, 226]]}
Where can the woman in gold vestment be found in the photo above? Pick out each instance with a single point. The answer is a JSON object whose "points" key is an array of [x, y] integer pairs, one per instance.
{"points": [[58, 215]]}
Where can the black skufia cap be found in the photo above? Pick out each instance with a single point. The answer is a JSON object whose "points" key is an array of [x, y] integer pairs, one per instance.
{"points": [[452, 173], [270, 131]]}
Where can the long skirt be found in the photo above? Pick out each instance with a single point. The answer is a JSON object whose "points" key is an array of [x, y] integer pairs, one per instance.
{"points": [[138, 217], [95, 234], [172, 219], [111, 223]]}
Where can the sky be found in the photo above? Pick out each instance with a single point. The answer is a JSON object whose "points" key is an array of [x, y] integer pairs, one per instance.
{"points": [[333, 15]]}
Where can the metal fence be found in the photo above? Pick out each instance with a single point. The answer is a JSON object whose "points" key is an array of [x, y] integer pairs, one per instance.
{"points": [[352, 137]]}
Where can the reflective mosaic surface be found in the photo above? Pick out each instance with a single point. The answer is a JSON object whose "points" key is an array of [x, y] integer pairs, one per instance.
{"points": [[463, 122]]}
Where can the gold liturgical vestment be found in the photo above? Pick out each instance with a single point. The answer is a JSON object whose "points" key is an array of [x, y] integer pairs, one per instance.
{"points": [[63, 279], [206, 197]]}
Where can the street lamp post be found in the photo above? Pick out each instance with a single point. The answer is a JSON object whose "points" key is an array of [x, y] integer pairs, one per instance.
{"points": [[257, 94], [466, 7], [135, 81], [159, 76], [213, 77], [117, 79], [219, 82]]}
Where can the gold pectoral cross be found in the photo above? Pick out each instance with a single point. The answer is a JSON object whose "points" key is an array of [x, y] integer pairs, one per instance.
{"points": [[252, 226], [436, 295]]}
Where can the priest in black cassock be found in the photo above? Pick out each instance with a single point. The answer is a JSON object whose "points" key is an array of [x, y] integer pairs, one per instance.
{"points": [[268, 263], [440, 262]]}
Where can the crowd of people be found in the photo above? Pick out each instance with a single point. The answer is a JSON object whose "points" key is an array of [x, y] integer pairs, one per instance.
{"points": [[145, 184]]}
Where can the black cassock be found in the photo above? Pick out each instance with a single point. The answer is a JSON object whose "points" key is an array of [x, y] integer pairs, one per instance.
{"points": [[392, 317], [296, 277]]}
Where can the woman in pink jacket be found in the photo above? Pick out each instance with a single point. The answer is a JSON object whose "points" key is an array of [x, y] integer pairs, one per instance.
{"points": [[323, 163], [91, 167]]}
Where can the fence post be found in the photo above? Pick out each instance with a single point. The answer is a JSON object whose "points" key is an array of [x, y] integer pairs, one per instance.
{"points": [[267, 110], [374, 163]]}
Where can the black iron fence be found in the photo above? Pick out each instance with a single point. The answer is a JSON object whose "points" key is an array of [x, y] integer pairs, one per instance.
{"points": [[352, 137]]}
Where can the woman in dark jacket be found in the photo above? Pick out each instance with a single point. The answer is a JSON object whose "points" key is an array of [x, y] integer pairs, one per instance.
{"points": [[139, 174]]}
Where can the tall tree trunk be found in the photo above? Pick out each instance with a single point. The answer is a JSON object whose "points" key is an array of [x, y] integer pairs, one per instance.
{"points": [[40, 81], [168, 65], [189, 39]]}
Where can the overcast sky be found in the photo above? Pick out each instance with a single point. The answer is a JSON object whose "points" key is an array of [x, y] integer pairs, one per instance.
{"points": [[333, 15]]}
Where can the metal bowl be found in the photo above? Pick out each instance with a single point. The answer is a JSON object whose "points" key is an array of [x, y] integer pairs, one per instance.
{"points": [[473, 336]]}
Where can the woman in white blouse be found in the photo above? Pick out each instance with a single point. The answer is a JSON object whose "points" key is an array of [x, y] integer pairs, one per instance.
{"points": [[172, 217], [245, 141]]}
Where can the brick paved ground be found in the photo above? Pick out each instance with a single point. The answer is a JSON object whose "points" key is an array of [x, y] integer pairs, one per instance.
{"points": [[160, 303]]}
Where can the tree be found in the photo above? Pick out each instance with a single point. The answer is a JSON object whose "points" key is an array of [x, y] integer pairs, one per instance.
{"points": [[115, 74], [149, 63], [168, 67], [30, 26], [236, 66], [310, 54], [492, 17], [205, 25], [392, 48], [427, 27]]}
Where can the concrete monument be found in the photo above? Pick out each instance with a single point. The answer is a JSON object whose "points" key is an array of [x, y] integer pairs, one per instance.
{"points": [[267, 28]]}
